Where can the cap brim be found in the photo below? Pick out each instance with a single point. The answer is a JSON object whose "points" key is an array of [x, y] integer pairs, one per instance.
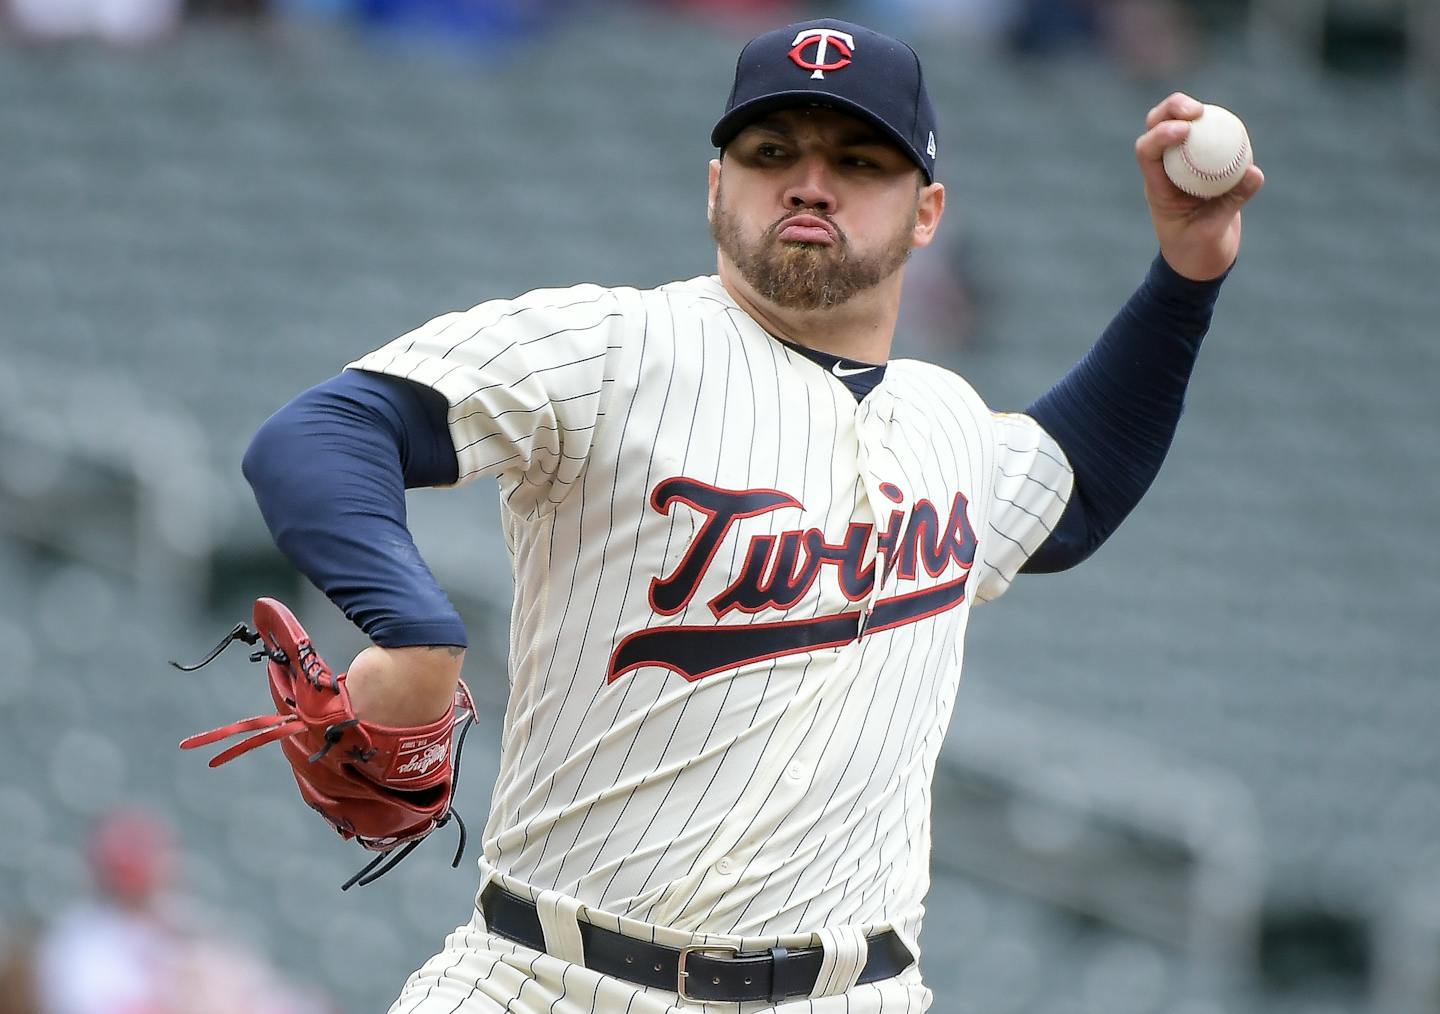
{"points": [[746, 113]]}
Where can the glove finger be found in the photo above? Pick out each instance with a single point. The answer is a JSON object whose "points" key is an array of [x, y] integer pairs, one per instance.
{"points": [[283, 730], [226, 731], [245, 746]]}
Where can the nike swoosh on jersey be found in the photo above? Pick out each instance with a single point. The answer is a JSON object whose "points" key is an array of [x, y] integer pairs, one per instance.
{"points": [[841, 371]]}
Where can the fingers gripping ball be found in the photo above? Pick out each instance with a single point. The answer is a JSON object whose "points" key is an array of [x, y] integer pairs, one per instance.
{"points": [[1213, 158], [382, 786]]}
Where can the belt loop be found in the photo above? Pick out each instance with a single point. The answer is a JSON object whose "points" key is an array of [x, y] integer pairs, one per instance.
{"points": [[844, 952], [780, 959], [558, 921], [481, 918]]}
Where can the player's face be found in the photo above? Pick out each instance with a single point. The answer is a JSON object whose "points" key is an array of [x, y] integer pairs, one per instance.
{"points": [[813, 206]]}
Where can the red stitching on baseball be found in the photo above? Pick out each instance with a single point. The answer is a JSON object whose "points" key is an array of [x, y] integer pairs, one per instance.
{"points": [[1235, 163]]}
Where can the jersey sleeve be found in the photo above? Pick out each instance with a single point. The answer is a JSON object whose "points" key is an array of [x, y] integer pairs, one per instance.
{"points": [[525, 383], [1032, 483]]}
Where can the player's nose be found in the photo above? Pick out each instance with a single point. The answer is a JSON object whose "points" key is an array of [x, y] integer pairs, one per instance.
{"points": [[811, 186]]}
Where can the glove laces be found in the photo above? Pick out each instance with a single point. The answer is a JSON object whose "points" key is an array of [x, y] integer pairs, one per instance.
{"points": [[387, 861]]}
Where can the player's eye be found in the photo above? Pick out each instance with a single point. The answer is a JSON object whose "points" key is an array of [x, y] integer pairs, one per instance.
{"points": [[769, 150]]}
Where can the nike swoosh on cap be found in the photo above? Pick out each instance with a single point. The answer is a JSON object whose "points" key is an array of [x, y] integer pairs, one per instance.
{"points": [[841, 371]]}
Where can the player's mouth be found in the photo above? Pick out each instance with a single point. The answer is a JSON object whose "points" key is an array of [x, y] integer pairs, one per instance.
{"points": [[807, 229]]}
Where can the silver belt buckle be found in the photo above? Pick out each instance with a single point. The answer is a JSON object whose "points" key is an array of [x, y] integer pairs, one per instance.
{"points": [[684, 973]]}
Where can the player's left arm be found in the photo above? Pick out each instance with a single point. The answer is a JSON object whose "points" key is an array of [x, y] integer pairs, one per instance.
{"points": [[1115, 413], [1199, 238]]}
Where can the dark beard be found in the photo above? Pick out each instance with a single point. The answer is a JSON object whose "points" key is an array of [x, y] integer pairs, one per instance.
{"points": [[807, 276]]}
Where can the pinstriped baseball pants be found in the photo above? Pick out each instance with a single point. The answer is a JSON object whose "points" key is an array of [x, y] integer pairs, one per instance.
{"points": [[479, 972]]}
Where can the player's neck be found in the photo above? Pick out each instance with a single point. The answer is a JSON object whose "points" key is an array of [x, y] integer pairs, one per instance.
{"points": [[863, 328]]}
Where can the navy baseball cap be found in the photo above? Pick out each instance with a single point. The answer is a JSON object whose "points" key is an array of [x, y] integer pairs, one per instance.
{"points": [[840, 65]]}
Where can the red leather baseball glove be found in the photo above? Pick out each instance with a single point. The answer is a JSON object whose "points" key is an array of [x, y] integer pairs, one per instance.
{"points": [[385, 787]]}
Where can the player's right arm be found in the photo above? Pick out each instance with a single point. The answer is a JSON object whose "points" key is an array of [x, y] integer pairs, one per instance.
{"points": [[508, 389], [329, 472]]}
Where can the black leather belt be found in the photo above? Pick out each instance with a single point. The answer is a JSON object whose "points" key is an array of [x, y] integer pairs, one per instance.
{"points": [[717, 974]]}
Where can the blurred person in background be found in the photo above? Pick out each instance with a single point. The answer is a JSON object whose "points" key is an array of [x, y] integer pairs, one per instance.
{"points": [[249, 10], [17, 972], [942, 307], [122, 22], [735, 12], [1149, 38], [1046, 27], [133, 949], [477, 21], [983, 20]]}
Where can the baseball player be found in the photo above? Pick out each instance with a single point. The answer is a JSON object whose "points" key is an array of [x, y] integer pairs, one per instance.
{"points": [[745, 546]]}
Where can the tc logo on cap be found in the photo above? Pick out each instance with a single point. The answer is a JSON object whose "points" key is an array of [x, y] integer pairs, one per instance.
{"points": [[822, 39]]}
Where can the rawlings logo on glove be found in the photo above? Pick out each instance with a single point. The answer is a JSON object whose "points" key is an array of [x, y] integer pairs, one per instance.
{"points": [[423, 762], [385, 787]]}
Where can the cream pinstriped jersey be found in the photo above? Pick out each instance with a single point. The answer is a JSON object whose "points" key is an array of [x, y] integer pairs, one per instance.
{"points": [[740, 600]]}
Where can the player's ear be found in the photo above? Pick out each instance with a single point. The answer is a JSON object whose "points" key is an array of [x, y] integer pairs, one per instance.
{"points": [[713, 189], [929, 209]]}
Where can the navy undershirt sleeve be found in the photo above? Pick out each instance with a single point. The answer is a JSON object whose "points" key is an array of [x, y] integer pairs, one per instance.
{"points": [[1115, 413], [329, 472]]}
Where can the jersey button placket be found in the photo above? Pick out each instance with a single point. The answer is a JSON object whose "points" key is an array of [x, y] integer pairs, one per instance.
{"points": [[870, 428]]}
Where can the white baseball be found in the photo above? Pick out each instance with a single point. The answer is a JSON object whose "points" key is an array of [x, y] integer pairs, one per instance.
{"points": [[1213, 158]]}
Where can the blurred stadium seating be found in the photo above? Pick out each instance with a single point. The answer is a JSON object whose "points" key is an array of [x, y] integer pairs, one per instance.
{"points": [[1244, 676]]}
